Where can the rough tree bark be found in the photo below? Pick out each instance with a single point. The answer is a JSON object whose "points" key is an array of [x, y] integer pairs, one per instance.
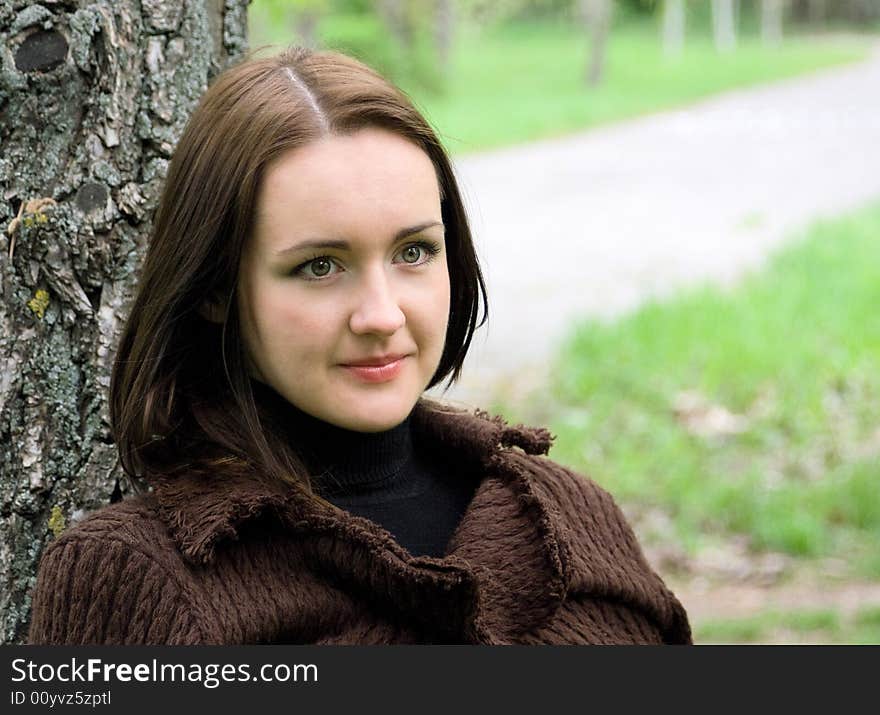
{"points": [[93, 97]]}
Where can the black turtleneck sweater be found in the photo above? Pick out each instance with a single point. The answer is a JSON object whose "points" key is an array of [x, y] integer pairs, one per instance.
{"points": [[382, 476]]}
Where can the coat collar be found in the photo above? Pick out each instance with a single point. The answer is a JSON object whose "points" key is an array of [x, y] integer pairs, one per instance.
{"points": [[471, 592]]}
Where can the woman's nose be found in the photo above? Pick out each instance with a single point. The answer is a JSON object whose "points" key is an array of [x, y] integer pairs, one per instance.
{"points": [[376, 309]]}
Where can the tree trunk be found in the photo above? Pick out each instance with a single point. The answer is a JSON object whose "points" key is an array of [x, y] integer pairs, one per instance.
{"points": [[444, 27], [807, 10], [92, 101], [306, 28], [397, 17], [597, 16], [818, 10], [673, 27], [723, 25], [864, 11], [771, 21]]}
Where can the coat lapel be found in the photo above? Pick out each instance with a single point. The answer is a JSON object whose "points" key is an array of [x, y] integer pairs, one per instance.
{"points": [[505, 568]]}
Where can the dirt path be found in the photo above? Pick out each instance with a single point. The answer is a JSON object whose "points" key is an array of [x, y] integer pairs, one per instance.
{"points": [[727, 581], [705, 601]]}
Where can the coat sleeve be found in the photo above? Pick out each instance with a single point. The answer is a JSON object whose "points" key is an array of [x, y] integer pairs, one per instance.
{"points": [[106, 591]]}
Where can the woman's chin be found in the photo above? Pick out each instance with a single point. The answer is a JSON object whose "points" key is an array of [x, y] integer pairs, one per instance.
{"points": [[377, 413]]}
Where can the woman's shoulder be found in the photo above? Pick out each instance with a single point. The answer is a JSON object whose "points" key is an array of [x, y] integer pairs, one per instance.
{"points": [[120, 536], [133, 521], [112, 578]]}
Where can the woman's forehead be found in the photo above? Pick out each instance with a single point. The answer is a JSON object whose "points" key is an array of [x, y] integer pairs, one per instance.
{"points": [[372, 175], [360, 158]]}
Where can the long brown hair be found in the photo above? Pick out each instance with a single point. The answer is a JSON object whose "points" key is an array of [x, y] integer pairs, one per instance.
{"points": [[180, 393]]}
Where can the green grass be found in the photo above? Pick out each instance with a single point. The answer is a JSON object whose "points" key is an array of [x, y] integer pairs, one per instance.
{"points": [[809, 626], [520, 82], [794, 350]]}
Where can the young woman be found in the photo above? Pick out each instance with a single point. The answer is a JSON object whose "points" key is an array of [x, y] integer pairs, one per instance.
{"points": [[310, 274]]}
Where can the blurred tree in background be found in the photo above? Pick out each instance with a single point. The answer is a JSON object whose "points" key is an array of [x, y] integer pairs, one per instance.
{"points": [[597, 16], [307, 14], [847, 12], [673, 27], [771, 21], [724, 24]]}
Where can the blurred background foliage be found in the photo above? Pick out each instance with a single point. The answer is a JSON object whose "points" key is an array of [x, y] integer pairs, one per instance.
{"points": [[490, 73]]}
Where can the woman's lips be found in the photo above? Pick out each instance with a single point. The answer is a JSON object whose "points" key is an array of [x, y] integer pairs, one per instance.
{"points": [[376, 373]]}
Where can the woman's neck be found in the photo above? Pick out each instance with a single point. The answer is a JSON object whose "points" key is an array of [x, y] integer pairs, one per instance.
{"points": [[343, 461]]}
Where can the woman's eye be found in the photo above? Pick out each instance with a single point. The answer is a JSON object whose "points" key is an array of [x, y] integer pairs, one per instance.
{"points": [[411, 254], [321, 267], [418, 253]]}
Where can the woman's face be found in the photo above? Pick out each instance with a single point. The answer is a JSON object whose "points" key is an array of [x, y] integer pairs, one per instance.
{"points": [[309, 311]]}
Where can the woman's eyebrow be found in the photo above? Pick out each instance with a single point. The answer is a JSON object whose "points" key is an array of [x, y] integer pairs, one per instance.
{"points": [[342, 244]]}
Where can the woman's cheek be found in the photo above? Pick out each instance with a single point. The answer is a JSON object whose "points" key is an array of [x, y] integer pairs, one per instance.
{"points": [[304, 321]]}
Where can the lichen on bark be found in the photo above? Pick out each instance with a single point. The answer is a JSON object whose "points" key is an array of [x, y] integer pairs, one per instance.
{"points": [[93, 97]]}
